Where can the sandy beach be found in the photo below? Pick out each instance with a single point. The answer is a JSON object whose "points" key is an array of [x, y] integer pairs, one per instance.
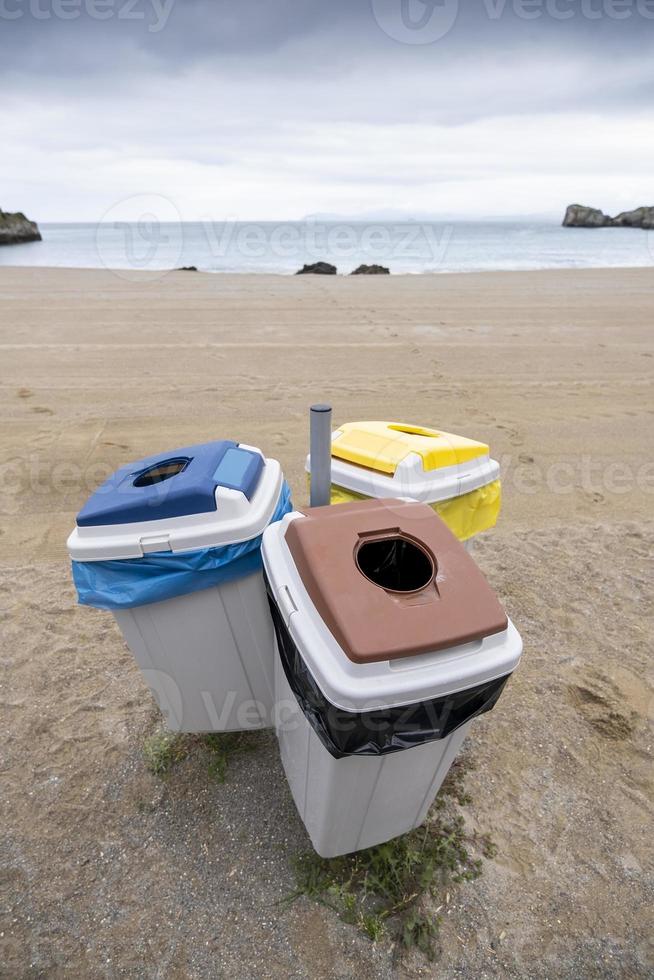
{"points": [[108, 871]]}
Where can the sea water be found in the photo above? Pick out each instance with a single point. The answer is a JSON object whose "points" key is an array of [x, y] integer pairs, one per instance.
{"points": [[411, 246]]}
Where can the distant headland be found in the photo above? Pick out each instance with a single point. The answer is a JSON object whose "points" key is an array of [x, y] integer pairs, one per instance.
{"points": [[16, 228], [580, 216]]}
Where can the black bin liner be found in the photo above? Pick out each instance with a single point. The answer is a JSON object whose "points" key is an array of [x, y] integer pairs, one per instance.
{"points": [[385, 730], [395, 563]]}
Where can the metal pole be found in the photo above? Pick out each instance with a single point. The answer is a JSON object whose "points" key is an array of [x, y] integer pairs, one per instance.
{"points": [[321, 454]]}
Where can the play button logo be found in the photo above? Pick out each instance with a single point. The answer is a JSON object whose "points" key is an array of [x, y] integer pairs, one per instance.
{"points": [[415, 21]]}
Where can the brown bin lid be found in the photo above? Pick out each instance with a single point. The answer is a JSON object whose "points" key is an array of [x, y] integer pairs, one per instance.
{"points": [[430, 598]]}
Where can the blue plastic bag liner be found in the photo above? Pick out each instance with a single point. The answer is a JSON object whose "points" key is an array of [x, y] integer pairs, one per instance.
{"points": [[126, 583]]}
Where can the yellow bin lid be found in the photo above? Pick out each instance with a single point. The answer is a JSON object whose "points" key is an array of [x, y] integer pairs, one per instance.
{"points": [[381, 446]]}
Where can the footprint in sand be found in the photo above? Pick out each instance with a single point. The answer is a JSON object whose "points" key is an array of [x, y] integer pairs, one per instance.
{"points": [[515, 437], [25, 393], [600, 703], [41, 410], [437, 375]]}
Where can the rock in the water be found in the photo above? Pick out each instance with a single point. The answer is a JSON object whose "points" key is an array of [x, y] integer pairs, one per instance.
{"points": [[640, 218], [371, 270], [579, 216], [317, 268], [187, 268], [16, 228]]}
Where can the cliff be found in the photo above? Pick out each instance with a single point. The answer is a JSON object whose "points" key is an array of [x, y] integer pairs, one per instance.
{"points": [[16, 228], [580, 216], [640, 218]]}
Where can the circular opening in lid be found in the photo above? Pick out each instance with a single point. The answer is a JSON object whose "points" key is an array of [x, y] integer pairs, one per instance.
{"points": [[161, 471], [396, 564]]}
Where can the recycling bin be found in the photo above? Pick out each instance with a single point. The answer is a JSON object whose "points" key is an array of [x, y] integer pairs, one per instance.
{"points": [[389, 643], [454, 475], [171, 544]]}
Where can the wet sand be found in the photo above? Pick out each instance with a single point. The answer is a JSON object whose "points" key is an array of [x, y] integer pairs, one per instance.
{"points": [[109, 872]]}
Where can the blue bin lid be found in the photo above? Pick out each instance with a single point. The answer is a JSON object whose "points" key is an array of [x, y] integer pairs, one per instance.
{"points": [[173, 484]]}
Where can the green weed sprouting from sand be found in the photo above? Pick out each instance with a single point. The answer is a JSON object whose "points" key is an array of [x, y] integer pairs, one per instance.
{"points": [[220, 746], [164, 750], [384, 890]]}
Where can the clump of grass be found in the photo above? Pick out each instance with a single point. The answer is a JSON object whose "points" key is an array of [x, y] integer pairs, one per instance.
{"points": [[454, 783], [384, 890], [164, 750], [221, 746]]}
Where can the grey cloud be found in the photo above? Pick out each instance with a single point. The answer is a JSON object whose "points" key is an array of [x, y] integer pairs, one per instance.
{"points": [[176, 33], [310, 61], [179, 33], [318, 97]]}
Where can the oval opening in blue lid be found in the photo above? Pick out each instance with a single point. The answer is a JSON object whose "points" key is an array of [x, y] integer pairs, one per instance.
{"points": [[161, 471]]}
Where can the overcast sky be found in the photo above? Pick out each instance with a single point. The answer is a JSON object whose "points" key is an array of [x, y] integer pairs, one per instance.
{"points": [[269, 109]]}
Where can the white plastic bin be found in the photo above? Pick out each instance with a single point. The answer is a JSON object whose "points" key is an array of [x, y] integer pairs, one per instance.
{"points": [[171, 545], [390, 642]]}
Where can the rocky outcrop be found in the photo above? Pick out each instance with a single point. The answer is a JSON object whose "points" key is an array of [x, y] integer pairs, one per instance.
{"points": [[640, 218], [371, 270], [317, 268], [16, 228], [579, 216]]}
